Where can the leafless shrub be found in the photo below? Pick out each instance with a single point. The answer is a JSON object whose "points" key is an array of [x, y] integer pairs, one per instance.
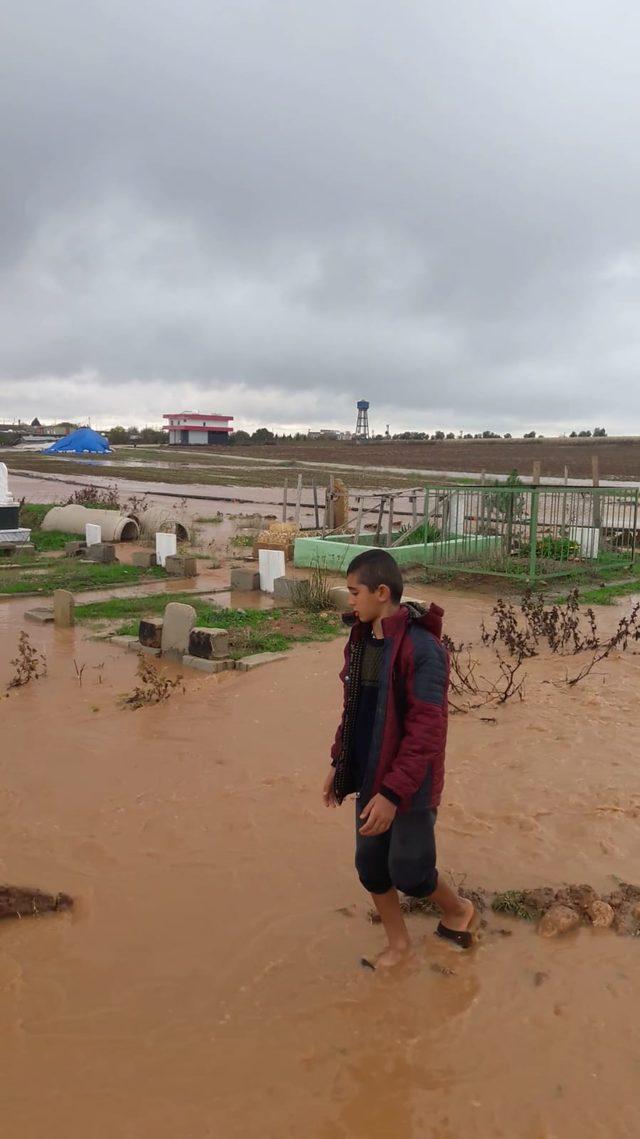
{"points": [[565, 628], [153, 687], [472, 690], [79, 671], [29, 664], [313, 594], [107, 497], [628, 630]]}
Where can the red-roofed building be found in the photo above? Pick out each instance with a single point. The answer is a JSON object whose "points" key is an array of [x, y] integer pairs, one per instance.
{"points": [[191, 428]]}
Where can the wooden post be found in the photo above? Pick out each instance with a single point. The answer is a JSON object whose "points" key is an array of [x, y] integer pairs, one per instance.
{"points": [[298, 500], [315, 504], [359, 519], [376, 540], [284, 502], [325, 516], [390, 527], [332, 520], [414, 507], [536, 473]]}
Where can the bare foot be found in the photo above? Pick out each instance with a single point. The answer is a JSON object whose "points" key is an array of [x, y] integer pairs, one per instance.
{"points": [[392, 955], [460, 920]]}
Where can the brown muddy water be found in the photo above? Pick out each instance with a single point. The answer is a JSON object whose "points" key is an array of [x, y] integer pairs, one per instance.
{"points": [[207, 983]]}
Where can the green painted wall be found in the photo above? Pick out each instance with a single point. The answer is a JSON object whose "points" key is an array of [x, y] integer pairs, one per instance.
{"points": [[331, 553]]}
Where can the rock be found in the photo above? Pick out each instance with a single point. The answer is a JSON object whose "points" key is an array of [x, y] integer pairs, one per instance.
{"points": [[145, 559], [179, 566], [601, 913], [102, 552], [339, 595], [245, 580], [124, 642], [209, 644], [63, 609], [178, 622], [284, 589], [150, 634], [558, 920]]}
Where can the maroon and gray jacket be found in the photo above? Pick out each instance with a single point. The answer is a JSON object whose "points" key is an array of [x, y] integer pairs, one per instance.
{"points": [[406, 760]]}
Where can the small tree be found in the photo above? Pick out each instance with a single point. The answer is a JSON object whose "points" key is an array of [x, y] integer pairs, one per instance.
{"points": [[240, 437], [118, 435], [263, 435]]}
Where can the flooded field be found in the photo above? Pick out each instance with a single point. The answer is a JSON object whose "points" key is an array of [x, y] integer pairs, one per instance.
{"points": [[207, 983]]}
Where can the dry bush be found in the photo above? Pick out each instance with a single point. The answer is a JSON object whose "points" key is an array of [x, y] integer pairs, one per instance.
{"points": [[474, 690], [312, 595], [107, 497], [29, 664], [152, 687]]}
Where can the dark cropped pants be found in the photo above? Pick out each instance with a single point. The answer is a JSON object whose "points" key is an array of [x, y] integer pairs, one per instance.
{"points": [[404, 856]]}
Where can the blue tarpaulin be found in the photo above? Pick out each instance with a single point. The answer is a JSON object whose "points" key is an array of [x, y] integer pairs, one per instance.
{"points": [[81, 442]]}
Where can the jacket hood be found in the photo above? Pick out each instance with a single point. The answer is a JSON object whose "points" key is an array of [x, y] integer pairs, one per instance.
{"points": [[410, 612]]}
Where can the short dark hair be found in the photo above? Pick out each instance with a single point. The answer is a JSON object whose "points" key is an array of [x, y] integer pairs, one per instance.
{"points": [[376, 567]]}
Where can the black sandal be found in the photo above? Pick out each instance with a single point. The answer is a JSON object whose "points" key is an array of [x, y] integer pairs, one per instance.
{"points": [[463, 938]]}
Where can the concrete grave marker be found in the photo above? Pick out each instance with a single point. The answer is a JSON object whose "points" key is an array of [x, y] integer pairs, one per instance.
{"points": [[178, 622], [271, 564], [166, 547], [93, 534], [6, 499], [63, 609]]}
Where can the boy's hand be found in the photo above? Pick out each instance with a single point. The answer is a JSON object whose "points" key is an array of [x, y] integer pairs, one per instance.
{"points": [[379, 814], [328, 792]]}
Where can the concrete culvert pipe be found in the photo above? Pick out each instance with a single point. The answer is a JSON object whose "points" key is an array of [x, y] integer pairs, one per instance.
{"points": [[72, 519], [158, 520]]}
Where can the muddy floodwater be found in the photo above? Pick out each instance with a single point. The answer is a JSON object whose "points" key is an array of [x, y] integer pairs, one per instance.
{"points": [[207, 983]]}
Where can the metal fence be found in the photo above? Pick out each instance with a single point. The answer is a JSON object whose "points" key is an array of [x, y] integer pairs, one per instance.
{"points": [[529, 532]]}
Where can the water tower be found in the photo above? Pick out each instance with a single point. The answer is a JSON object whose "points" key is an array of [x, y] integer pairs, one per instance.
{"points": [[362, 426]]}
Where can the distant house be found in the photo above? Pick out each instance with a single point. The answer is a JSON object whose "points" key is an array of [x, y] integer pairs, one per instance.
{"points": [[192, 428]]}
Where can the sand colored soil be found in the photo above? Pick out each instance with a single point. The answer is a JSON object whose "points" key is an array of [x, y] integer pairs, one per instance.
{"points": [[206, 982]]}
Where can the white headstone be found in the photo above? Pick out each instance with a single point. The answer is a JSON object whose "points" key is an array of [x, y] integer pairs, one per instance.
{"points": [[166, 546], [93, 534], [271, 565], [6, 498]]}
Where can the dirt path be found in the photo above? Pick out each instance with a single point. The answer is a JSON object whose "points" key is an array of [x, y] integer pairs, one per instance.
{"points": [[206, 984]]}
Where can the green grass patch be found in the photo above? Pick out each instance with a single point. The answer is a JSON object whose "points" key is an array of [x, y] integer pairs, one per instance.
{"points": [[75, 576], [251, 630]]}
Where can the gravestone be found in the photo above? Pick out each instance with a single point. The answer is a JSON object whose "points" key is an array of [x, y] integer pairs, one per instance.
{"points": [[93, 534], [209, 643], [178, 622], [63, 609], [10, 529], [271, 564], [166, 547], [245, 580]]}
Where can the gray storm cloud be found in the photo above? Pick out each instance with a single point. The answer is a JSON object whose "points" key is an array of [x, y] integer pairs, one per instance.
{"points": [[274, 208]]}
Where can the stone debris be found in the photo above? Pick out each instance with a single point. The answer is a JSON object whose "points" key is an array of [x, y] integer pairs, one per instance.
{"points": [[602, 914], [209, 644], [145, 559], [74, 549], [244, 580], [150, 633], [179, 566], [557, 920], [102, 552], [284, 589]]}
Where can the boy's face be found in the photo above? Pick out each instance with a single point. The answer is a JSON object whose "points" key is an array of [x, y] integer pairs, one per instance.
{"points": [[367, 604]]}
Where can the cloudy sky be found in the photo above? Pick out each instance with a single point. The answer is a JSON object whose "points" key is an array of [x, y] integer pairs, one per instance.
{"points": [[272, 208]]}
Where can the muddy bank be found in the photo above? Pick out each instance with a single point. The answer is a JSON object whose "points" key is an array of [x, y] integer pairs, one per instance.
{"points": [[208, 982]]}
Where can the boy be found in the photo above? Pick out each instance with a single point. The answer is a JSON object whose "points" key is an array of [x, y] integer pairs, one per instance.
{"points": [[389, 750]]}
